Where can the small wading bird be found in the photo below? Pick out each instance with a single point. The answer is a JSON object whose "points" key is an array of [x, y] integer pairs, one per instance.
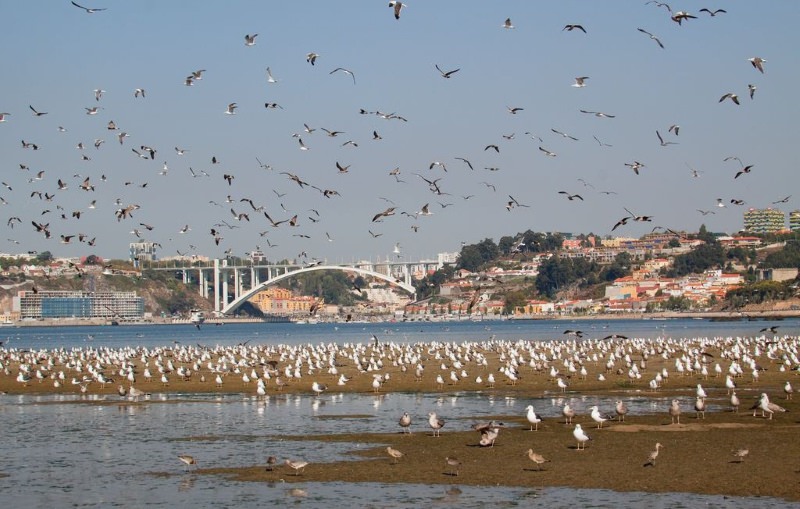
{"points": [[536, 458], [187, 460], [651, 459], [394, 453], [297, 466]]}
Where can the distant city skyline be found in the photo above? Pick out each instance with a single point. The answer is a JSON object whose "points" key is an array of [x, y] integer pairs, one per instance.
{"points": [[534, 115]]}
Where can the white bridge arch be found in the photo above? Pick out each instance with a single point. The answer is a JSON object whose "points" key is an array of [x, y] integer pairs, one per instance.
{"points": [[244, 297]]}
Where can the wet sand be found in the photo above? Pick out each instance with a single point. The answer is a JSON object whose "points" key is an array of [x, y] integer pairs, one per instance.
{"points": [[697, 455]]}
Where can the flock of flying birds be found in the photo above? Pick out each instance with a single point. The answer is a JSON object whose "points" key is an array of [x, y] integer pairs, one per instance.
{"points": [[267, 213]]}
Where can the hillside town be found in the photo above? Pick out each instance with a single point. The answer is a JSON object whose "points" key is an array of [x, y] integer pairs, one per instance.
{"points": [[589, 275]]}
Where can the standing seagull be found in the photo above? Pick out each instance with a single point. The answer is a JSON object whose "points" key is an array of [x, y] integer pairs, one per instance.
{"points": [[568, 414], [405, 422], [598, 417], [621, 408], [533, 418], [581, 437], [767, 406], [435, 423], [675, 411]]}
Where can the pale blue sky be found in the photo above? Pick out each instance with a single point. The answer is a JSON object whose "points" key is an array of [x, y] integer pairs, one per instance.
{"points": [[56, 55]]}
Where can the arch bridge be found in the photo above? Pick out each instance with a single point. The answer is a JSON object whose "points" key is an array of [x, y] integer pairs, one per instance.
{"points": [[232, 306], [216, 278]]}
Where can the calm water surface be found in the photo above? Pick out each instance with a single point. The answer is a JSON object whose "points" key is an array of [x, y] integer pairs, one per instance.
{"points": [[60, 451]]}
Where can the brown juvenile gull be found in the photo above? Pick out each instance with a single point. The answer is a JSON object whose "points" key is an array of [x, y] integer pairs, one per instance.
{"points": [[622, 409], [405, 422], [435, 423], [675, 411]]}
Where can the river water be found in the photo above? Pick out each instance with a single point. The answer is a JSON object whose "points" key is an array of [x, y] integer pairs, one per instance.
{"points": [[87, 451]]}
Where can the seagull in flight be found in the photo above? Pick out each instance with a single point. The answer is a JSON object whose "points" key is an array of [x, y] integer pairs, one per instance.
{"points": [[571, 197], [565, 135], [466, 162], [446, 74], [758, 63], [570, 28], [547, 152], [652, 37], [398, 6], [346, 71], [231, 109], [250, 40], [746, 169], [598, 114], [661, 140], [89, 10], [507, 24], [311, 58], [785, 200], [730, 95], [580, 81], [714, 12]]}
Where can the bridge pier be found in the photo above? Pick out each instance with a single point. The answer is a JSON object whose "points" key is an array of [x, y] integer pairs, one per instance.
{"points": [[216, 286]]}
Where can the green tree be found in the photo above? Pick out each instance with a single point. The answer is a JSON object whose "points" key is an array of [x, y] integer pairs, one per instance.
{"points": [[93, 260]]}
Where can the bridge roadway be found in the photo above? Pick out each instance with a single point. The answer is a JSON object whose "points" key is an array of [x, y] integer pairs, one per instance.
{"points": [[215, 278]]}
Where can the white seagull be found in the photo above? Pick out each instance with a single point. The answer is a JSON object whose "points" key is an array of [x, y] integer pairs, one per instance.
{"points": [[598, 417], [533, 418], [435, 423], [581, 437]]}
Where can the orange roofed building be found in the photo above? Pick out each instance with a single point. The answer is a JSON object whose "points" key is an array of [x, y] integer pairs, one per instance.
{"points": [[282, 302]]}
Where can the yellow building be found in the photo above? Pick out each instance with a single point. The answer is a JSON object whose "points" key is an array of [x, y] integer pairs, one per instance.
{"points": [[282, 302]]}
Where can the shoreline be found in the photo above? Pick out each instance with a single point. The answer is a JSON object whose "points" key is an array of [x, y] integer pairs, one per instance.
{"points": [[697, 455], [776, 315]]}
